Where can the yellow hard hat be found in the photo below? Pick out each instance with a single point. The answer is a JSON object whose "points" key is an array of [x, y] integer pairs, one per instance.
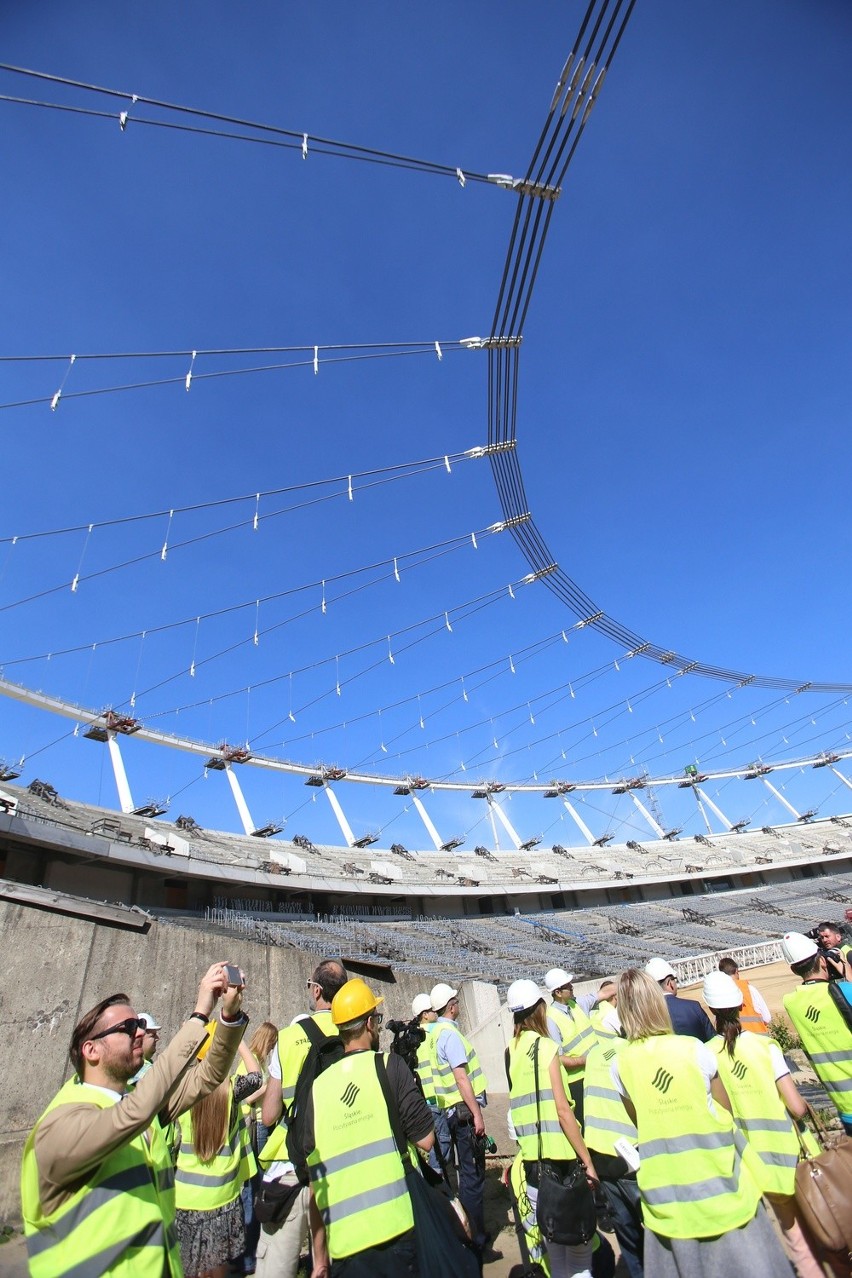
{"points": [[352, 1001], [205, 1046]]}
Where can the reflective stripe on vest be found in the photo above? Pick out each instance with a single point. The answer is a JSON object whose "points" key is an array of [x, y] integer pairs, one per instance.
{"points": [[749, 1017], [605, 1118], [826, 1039], [120, 1221], [522, 1099], [204, 1186], [425, 1069], [355, 1167], [447, 1091], [693, 1180], [759, 1111], [292, 1050], [578, 1035]]}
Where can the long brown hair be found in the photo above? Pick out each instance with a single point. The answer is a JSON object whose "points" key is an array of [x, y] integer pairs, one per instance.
{"points": [[728, 1025], [262, 1042], [535, 1019], [209, 1121]]}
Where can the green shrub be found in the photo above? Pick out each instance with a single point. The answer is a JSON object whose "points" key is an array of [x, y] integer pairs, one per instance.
{"points": [[784, 1036]]}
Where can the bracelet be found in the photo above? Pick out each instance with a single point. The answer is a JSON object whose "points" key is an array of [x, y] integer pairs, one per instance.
{"points": [[197, 1016], [236, 1021]]}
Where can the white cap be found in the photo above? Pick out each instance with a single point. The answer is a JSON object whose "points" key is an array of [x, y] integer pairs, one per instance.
{"points": [[720, 991], [557, 977], [440, 996], [422, 1003], [658, 969], [522, 995], [150, 1022], [796, 947]]}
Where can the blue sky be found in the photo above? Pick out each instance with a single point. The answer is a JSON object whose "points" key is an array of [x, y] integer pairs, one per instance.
{"points": [[683, 410]]}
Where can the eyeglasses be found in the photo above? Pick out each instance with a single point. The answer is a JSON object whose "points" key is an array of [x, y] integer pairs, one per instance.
{"points": [[378, 1017], [130, 1027], [310, 984]]}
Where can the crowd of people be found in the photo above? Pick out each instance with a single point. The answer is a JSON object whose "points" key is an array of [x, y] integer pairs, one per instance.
{"points": [[680, 1131]]}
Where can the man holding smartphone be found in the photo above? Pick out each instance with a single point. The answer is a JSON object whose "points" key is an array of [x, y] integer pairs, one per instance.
{"points": [[97, 1180]]}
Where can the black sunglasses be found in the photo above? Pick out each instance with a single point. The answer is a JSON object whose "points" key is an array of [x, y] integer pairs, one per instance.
{"points": [[130, 1027]]}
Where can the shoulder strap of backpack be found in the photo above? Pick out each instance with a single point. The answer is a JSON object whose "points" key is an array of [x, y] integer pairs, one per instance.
{"points": [[312, 1031]]}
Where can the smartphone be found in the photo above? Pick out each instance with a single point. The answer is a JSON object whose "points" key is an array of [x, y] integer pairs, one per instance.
{"points": [[233, 974]]}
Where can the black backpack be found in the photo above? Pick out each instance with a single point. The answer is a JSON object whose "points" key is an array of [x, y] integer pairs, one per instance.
{"points": [[324, 1051]]}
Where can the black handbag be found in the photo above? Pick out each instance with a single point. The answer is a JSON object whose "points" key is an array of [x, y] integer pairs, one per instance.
{"points": [[565, 1210], [273, 1201]]}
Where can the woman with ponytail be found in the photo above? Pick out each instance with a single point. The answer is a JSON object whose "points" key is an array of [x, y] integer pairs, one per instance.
{"points": [[214, 1161], [766, 1104]]}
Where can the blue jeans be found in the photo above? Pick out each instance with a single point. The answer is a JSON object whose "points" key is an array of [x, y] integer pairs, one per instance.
{"points": [[442, 1136], [623, 1199], [471, 1177]]}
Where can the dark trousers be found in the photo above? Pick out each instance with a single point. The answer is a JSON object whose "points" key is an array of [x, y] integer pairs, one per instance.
{"points": [[575, 1092], [471, 1177], [394, 1259], [623, 1199]]}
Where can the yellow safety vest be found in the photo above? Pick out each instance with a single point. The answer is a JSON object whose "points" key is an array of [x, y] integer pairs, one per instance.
{"points": [[447, 1092], [425, 1068], [205, 1186], [119, 1222], [292, 1047], [578, 1035], [825, 1037], [759, 1111], [522, 1099], [694, 1181], [355, 1166], [605, 1118], [749, 1017]]}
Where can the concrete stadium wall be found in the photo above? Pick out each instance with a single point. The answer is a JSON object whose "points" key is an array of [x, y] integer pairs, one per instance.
{"points": [[55, 968]]}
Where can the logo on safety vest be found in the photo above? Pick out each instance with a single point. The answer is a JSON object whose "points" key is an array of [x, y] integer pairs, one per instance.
{"points": [[349, 1096], [609, 1053], [812, 1014], [662, 1080], [739, 1070]]}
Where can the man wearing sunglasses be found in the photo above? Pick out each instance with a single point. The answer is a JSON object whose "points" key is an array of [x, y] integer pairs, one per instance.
{"points": [[97, 1181]]}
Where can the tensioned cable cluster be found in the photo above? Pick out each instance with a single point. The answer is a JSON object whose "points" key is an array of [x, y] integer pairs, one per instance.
{"points": [[187, 119], [575, 95]]}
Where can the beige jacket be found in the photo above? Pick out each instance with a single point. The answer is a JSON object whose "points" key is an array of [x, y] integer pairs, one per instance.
{"points": [[73, 1139]]}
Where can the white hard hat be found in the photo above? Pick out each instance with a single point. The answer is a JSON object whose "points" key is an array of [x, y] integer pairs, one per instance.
{"points": [[720, 991], [440, 996], [522, 995], [658, 969], [557, 977], [422, 1003], [150, 1022], [796, 947]]}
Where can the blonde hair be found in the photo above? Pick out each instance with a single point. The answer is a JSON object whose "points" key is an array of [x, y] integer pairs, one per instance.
{"points": [[262, 1042], [535, 1019], [642, 1006], [209, 1122]]}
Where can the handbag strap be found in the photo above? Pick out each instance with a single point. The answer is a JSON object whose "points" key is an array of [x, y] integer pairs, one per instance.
{"points": [[537, 1105]]}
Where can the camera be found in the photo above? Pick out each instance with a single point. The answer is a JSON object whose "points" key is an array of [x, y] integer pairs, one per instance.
{"points": [[407, 1037]]}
